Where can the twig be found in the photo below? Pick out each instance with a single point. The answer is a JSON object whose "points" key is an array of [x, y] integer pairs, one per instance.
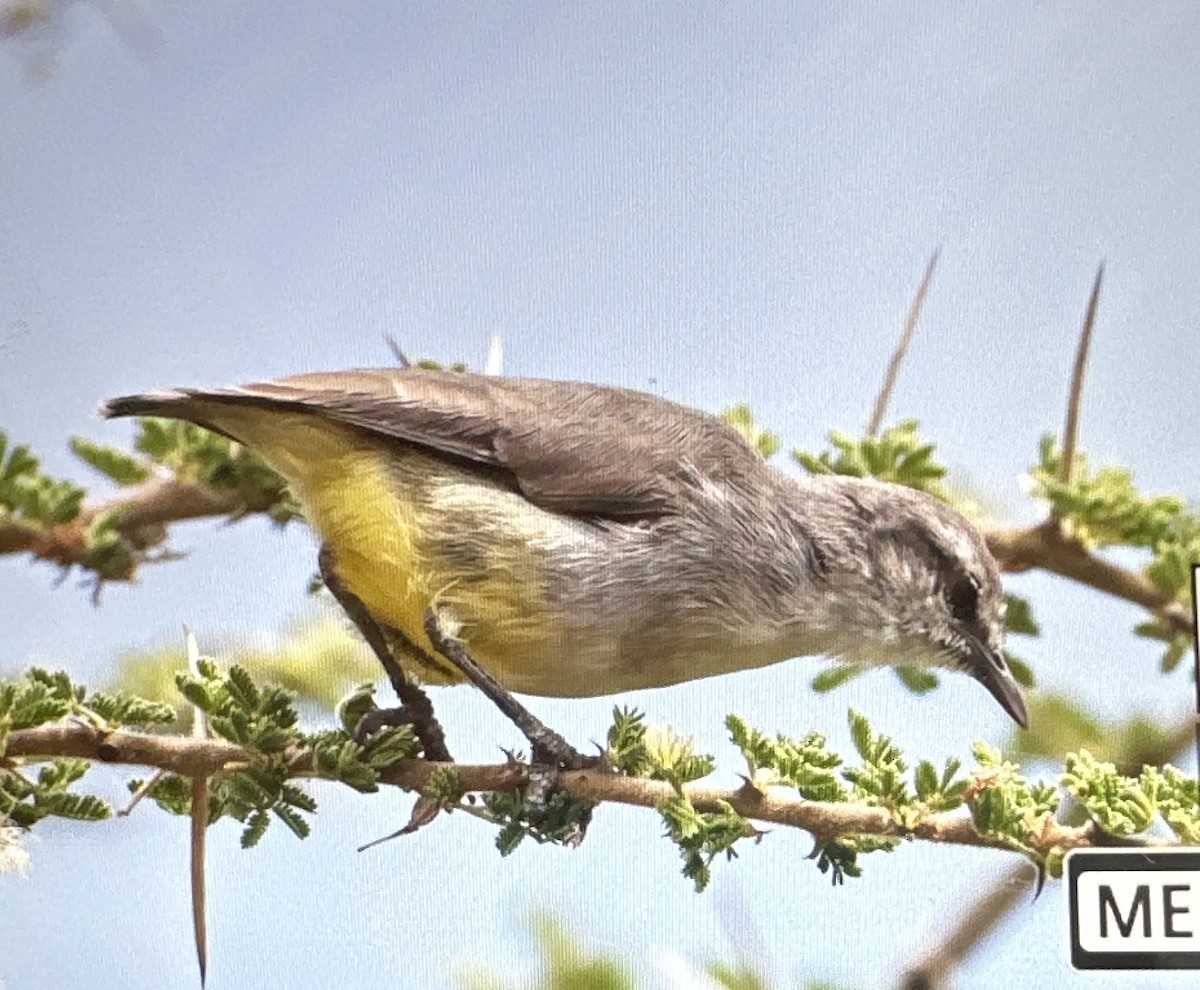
{"points": [[978, 921], [1071, 430], [825, 820], [139, 795], [1048, 547], [972, 926], [910, 326], [142, 513]]}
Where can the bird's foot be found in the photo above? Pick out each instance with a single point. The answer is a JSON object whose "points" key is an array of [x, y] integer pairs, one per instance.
{"points": [[548, 746], [433, 745]]}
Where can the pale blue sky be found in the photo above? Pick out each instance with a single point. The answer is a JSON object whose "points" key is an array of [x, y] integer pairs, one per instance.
{"points": [[717, 204]]}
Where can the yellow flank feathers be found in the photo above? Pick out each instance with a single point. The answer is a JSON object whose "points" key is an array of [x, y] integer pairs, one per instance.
{"points": [[409, 530]]}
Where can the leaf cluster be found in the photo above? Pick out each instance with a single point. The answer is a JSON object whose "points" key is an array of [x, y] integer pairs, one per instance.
{"points": [[1123, 805], [653, 752], [543, 813], [897, 455], [762, 440], [1006, 806], [25, 800], [264, 722], [880, 780], [42, 697], [659, 753], [29, 497], [1104, 508], [198, 455]]}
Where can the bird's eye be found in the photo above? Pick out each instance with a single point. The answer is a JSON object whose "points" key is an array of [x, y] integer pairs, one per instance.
{"points": [[962, 598]]}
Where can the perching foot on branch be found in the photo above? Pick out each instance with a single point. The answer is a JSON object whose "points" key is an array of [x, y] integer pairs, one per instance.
{"points": [[549, 748]]}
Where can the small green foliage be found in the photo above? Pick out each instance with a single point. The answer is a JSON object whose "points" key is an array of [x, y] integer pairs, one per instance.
{"points": [[1120, 805], [839, 857], [673, 757], [1178, 798], [558, 818], [740, 977], [702, 836], [627, 751], [1018, 616], [261, 720], [24, 801], [1171, 569], [661, 754], [42, 697], [896, 455], [1179, 643], [1021, 671], [880, 780], [1004, 805], [112, 463], [336, 756], [196, 454], [27, 496], [108, 551], [355, 705], [445, 787], [835, 676], [806, 765], [122, 709], [37, 699], [429, 364], [742, 419], [170, 792], [917, 679], [654, 752], [1103, 507]]}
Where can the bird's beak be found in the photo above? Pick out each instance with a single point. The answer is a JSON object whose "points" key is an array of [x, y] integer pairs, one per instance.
{"points": [[989, 667]]}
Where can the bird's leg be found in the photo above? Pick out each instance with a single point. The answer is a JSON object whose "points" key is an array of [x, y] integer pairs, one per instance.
{"points": [[416, 709], [549, 747]]}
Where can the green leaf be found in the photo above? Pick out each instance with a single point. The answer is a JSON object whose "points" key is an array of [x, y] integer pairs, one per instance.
{"points": [[1019, 616], [256, 828], [833, 677], [742, 419], [896, 455], [114, 464], [916, 679]]}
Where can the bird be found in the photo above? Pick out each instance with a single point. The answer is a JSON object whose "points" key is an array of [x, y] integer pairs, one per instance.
{"points": [[571, 539]]}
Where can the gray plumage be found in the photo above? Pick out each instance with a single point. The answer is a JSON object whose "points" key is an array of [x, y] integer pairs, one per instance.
{"points": [[670, 548]]}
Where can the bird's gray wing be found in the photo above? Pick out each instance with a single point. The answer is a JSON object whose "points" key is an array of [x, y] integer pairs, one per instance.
{"points": [[570, 447]]}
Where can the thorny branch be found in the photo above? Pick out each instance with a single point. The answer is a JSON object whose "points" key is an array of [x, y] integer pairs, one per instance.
{"points": [[204, 757]]}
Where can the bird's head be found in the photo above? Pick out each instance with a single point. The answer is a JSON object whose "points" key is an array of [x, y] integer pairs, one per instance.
{"points": [[931, 588]]}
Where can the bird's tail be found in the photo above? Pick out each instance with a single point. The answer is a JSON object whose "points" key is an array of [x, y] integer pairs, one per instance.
{"points": [[172, 404]]}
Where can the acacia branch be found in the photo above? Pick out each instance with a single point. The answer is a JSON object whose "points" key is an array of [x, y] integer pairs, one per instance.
{"points": [[824, 820], [1048, 547], [968, 928], [965, 928], [140, 513]]}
